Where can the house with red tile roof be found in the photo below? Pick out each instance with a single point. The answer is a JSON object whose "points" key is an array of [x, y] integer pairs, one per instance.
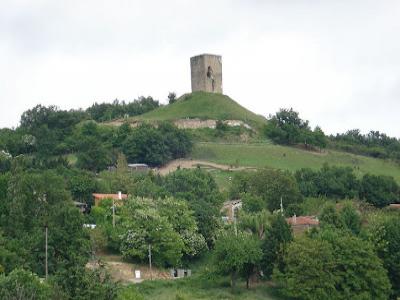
{"points": [[302, 223], [117, 197]]}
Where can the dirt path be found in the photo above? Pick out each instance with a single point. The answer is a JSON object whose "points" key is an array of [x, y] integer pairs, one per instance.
{"points": [[125, 272], [191, 164]]}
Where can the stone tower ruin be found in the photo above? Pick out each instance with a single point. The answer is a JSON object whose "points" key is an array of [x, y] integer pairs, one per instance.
{"points": [[206, 73]]}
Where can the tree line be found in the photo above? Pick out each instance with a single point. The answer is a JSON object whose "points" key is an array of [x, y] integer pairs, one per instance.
{"points": [[48, 133], [287, 128]]}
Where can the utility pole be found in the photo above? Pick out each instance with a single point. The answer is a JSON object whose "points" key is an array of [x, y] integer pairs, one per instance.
{"points": [[113, 207], [45, 247], [151, 273], [113, 212]]}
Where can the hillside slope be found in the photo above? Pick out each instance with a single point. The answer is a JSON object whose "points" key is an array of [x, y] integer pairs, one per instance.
{"points": [[289, 158], [203, 105]]}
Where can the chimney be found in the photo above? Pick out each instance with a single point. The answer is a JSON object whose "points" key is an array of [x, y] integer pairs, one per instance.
{"points": [[294, 219], [119, 195]]}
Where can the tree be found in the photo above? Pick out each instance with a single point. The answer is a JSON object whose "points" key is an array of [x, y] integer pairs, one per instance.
{"points": [[333, 265], [183, 222], [171, 97], [329, 217], [274, 185], [274, 244], [286, 127], [143, 226], [350, 218], [307, 180], [80, 283], [308, 272], [358, 270], [146, 144], [379, 190], [44, 196], [320, 140], [384, 233], [23, 285], [201, 191], [81, 184], [251, 203], [156, 146], [257, 223], [237, 254], [93, 152]]}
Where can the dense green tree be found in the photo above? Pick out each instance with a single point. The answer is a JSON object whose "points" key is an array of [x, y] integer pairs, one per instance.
{"points": [[329, 181], [183, 222], [252, 203], [156, 146], [379, 190], [374, 143], [81, 184], [384, 232], [351, 218], [79, 283], [118, 109], [320, 140], [334, 265], [146, 145], [22, 284], [307, 180], [359, 272], [201, 191], [171, 97], [93, 153], [44, 196], [144, 226], [329, 217], [274, 185], [278, 236], [177, 140], [286, 127], [257, 222], [308, 272], [337, 182], [236, 254], [239, 184]]}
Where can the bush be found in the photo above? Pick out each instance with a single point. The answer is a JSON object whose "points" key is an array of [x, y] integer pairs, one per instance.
{"points": [[379, 190], [333, 265], [21, 284]]}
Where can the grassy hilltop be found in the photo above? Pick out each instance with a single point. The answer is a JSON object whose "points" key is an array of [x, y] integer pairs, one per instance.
{"points": [[257, 151], [204, 106]]}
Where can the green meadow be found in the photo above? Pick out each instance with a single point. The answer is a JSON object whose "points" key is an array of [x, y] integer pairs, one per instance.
{"points": [[267, 155]]}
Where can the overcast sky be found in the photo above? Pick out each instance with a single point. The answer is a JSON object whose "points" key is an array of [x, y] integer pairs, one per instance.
{"points": [[337, 62]]}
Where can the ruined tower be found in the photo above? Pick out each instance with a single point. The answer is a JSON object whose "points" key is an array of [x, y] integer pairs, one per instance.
{"points": [[206, 72]]}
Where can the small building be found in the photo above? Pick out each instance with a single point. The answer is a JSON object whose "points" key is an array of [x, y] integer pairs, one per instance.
{"points": [[302, 223], [138, 167], [117, 197], [394, 206], [230, 208]]}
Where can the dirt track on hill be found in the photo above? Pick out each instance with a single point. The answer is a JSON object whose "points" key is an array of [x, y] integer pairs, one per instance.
{"points": [[191, 164]]}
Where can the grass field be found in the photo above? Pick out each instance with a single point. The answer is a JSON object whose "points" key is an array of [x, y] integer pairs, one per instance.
{"points": [[193, 289], [288, 158], [204, 106]]}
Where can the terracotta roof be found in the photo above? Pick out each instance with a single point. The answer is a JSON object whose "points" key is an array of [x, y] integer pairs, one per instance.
{"points": [[302, 220], [109, 196], [394, 205]]}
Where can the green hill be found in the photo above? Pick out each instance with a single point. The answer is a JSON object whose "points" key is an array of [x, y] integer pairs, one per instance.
{"points": [[289, 158], [203, 105]]}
